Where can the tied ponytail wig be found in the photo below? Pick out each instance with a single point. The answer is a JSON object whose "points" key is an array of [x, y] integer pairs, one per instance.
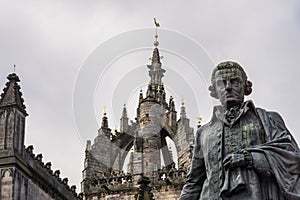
{"points": [[229, 65]]}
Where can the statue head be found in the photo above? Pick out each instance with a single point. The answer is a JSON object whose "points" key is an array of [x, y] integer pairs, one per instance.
{"points": [[229, 84]]}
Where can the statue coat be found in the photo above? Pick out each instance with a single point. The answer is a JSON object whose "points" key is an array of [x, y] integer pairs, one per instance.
{"points": [[276, 159]]}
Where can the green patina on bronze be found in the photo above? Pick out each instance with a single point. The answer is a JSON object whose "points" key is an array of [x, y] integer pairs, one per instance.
{"points": [[244, 152]]}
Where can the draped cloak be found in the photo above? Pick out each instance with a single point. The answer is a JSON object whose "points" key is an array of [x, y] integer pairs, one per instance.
{"points": [[276, 163]]}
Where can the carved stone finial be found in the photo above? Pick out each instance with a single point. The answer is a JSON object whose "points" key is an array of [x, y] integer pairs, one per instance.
{"points": [[57, 173], [12, 95], [48, 165], [73, 188], [39, 157], [199, 121], [88, 145], [104, 111], [104, 119], [65, 181], [80, 195], [182, 100], [29, 149], [144, 191]]}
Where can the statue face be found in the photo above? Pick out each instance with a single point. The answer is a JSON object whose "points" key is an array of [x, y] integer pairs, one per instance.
{"points": [[230, 87]]}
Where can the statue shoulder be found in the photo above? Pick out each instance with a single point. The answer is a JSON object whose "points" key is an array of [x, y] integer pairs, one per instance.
{"points": [[273, 116], [205, 129]]}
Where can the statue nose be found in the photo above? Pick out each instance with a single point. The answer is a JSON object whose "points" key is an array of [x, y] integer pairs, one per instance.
{"points": [[228, 86]]}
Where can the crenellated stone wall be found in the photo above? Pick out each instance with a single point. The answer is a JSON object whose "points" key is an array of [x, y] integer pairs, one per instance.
{"points": [[28, 177], [166, 184]]}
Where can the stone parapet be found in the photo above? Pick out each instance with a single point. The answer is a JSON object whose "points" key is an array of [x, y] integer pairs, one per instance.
{"points": [[166, 183], [46, 178]]}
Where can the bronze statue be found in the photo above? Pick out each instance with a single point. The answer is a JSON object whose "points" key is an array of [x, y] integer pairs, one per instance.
{"points": [[244, 152]]}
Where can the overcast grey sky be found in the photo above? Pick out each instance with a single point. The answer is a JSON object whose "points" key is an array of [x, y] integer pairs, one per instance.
{"points": [[49, 41]]}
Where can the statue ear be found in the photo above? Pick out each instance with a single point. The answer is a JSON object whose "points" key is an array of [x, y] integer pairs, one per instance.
{"points": [[213, 92], [248, 88]]}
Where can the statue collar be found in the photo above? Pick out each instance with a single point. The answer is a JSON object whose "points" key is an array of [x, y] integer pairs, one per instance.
{"points": [[220, 113]]}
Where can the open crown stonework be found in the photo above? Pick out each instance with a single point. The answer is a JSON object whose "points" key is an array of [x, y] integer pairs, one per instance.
{"points": [[143, 139], [24, 175]]}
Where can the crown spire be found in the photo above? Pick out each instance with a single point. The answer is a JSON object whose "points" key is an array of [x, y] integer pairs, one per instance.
{"points": [[156, 72], [155, 56]]}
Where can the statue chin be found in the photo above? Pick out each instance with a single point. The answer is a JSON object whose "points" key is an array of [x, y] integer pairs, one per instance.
{"points": [[232, 102]]}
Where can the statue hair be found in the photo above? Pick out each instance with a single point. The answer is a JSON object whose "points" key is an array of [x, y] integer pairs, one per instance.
{"points": [[229, 65]]}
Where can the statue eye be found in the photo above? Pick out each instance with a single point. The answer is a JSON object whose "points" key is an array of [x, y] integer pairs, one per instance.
{"points": [[235, 81], [221, 83]]}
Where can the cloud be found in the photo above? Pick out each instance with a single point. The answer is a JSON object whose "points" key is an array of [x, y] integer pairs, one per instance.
{"points": [[49, 41]]}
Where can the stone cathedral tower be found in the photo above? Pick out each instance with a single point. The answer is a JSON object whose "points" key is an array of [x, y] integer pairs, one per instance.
{"points": [[156, 119], [12, 117], [23, 175]]}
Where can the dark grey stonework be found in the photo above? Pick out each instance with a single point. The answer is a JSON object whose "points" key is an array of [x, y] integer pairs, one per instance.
{"points": [[156, 120], [23, 175]]}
